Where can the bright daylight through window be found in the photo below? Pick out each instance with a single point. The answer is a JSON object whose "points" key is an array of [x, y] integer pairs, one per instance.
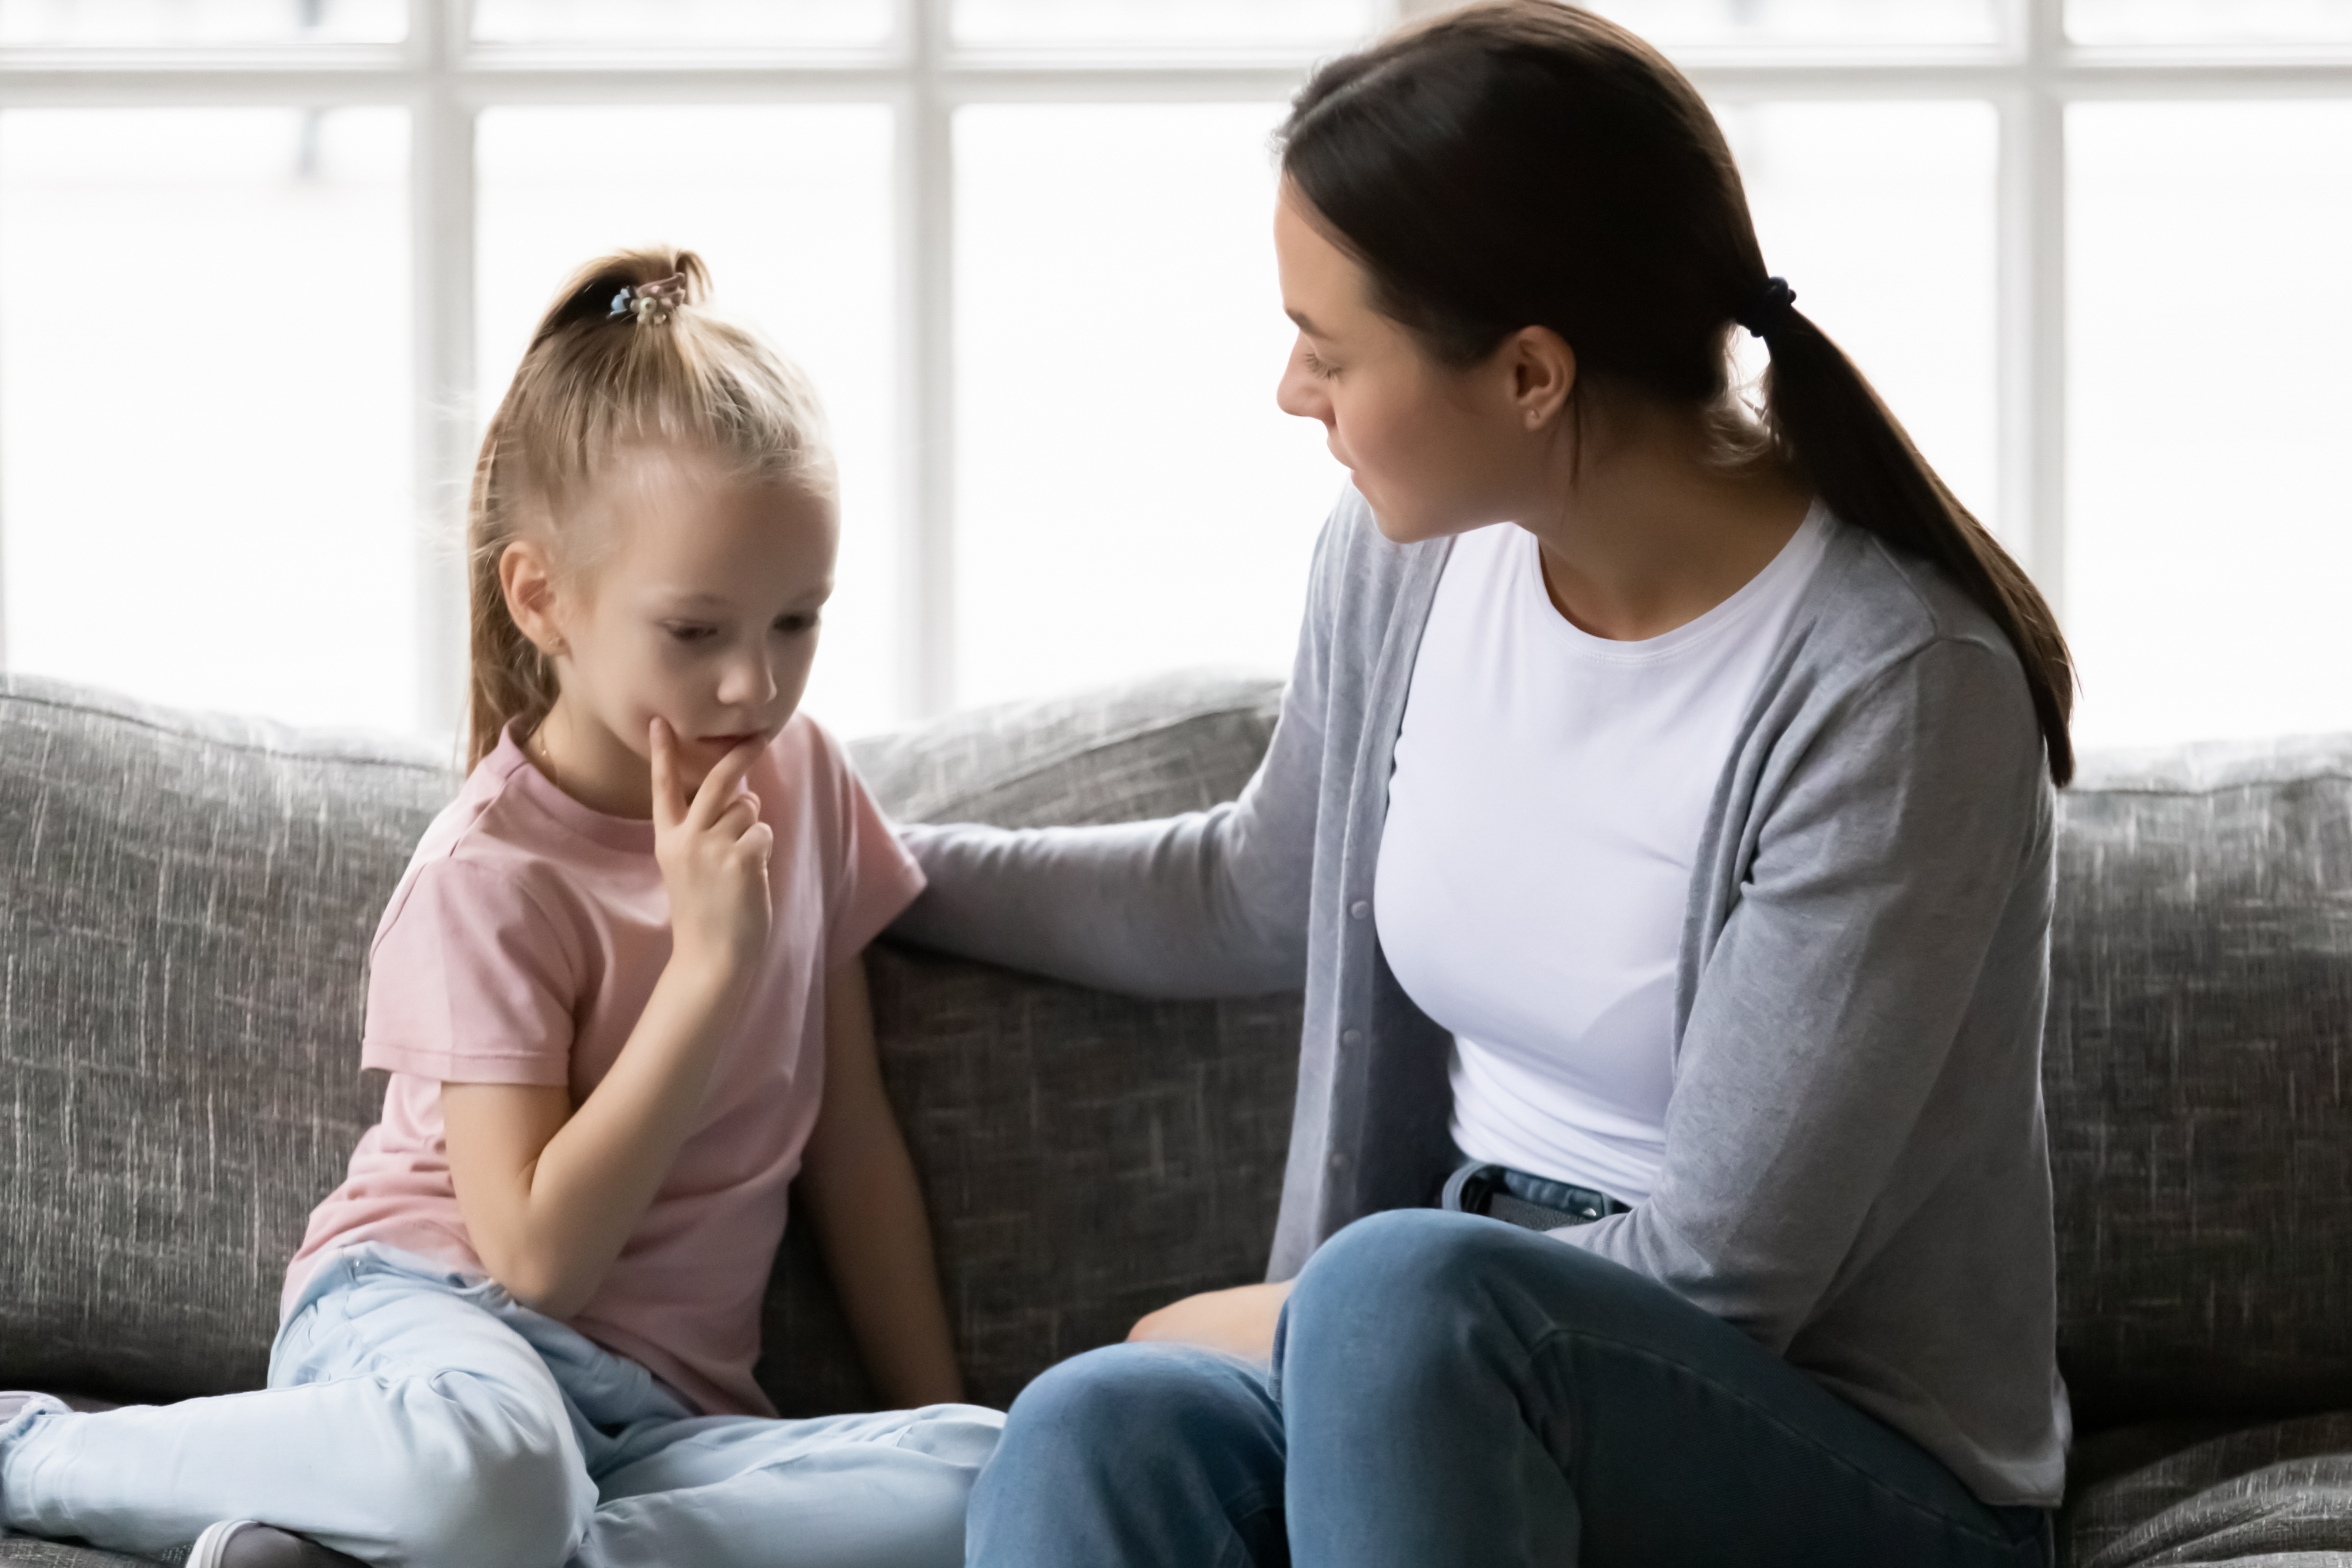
{"points": [[263, 262]]}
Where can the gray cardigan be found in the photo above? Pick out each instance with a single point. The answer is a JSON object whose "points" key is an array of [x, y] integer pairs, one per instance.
{"points": [[1855, 1168]]}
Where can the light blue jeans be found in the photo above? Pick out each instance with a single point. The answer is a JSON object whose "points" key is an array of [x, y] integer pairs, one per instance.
{"points": [[1451, 1392], [417, 1415]]}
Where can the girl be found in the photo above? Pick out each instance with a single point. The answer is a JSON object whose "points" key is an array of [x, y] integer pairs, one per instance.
{"points": [[620, 998], [1660, 821]]}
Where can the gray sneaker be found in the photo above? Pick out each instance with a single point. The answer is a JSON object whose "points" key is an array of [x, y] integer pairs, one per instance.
{"points": [[243, 1544]]}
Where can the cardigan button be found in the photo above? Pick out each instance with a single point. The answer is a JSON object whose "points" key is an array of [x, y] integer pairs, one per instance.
{"points": [[1360, 910], [1351, 1037]]}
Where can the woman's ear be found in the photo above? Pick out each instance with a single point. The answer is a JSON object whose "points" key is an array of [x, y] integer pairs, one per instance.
{"points": [[1542, 369], [527, 577]]}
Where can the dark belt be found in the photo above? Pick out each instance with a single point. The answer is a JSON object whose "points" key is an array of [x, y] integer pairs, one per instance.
{"points": [[1530, 1202]]}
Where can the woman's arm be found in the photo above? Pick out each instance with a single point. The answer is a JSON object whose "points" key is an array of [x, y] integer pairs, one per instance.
{"points": [[1209, 904], [1896, 904], [549, 1193], [860, 1190]]}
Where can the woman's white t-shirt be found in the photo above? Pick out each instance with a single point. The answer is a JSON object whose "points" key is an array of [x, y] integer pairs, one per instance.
{"points": [[1543, 818]]}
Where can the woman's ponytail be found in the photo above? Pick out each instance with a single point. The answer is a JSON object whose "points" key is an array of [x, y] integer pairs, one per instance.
{"points": [[1523, 162], [1856, 453]]}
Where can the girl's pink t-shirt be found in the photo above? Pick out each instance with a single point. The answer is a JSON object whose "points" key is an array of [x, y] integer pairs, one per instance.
{"points": [[521, 947]]}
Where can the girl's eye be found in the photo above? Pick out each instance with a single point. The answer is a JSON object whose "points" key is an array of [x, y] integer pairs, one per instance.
{"points": [[1316, 367], [687, 631], [793, 625]]}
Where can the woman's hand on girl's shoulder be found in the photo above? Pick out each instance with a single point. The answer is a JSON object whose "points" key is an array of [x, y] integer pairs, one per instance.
{"points": [[713, 850], [1239, 1322]]}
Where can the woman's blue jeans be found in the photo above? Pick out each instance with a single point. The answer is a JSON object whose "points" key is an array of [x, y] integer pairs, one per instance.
{"points": [[1451, 1392]]}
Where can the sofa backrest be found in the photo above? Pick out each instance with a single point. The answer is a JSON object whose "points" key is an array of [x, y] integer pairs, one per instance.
{"points": [[2198, 1077], [186, 904]]}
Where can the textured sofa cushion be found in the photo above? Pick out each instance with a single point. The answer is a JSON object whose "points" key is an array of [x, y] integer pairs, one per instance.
{"points": [[185, 907], [2277, 1497], [2199, 1075]]}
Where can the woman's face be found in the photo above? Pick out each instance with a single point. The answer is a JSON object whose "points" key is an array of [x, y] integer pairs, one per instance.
{"points": [[1433, 450]]}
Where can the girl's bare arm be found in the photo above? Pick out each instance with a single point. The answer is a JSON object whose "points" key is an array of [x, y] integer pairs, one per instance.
{"points": [[549, 1193], [860, 1190]]}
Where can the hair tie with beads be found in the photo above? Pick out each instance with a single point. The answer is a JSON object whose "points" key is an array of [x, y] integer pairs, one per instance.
{"points": [[651, 303], [1770, 309]]}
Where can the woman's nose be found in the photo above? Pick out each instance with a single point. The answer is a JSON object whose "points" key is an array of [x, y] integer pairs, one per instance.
{"points": [[1297, 393]]}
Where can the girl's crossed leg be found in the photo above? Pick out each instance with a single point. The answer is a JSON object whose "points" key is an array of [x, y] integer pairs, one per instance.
{"points": [[419, 1417]]}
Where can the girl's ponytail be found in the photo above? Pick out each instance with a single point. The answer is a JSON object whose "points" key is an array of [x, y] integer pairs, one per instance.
{"points": [[628, 352], [1834, 424], [1523, 162]]}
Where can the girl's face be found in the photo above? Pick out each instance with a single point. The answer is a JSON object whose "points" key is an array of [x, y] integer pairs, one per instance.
{"points": [[1433, 450], [699, 605]]}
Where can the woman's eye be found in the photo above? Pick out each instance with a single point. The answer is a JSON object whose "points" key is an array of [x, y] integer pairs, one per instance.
{"points": [[1316, 367], [683, 631], [793, 625]]}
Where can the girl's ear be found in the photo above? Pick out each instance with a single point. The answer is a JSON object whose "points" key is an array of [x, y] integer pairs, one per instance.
{"points": [[527, 577]]}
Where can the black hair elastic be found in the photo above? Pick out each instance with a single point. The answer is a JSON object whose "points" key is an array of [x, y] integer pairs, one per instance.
{"points": [[1770, 309]]}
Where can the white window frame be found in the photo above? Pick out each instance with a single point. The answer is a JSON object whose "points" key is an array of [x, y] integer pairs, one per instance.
{"points": [[444, 80]]}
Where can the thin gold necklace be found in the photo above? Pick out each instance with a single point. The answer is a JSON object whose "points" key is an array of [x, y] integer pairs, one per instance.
{"points": [[547, 753]]}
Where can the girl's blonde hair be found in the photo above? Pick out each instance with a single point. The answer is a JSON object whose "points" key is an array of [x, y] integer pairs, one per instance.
{"points": [[627, 354]]}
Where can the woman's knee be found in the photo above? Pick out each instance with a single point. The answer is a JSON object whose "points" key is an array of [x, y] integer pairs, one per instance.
{"points": [[1402, 1254], [486, 1478], [1133, 1406], [1418, 1283]]}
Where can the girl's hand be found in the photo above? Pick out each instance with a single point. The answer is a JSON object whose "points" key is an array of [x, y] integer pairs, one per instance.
{"points": [[1240, 1321], [713, 851]]}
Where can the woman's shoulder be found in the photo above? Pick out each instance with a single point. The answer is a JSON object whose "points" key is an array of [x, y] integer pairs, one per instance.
{"points": [[1875, 606]]}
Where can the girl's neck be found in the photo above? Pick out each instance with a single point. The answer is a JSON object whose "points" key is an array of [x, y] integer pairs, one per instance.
{"points": [[581, 756], [1649, 535]]}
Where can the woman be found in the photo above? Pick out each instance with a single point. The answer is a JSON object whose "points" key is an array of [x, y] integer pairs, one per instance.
{"points": [[1660, 821]]}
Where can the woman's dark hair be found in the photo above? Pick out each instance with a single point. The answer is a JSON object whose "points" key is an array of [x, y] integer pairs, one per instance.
{"points": [[1522, 162]]}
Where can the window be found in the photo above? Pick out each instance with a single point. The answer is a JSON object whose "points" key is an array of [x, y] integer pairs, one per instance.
{"points": [[263, 262]]}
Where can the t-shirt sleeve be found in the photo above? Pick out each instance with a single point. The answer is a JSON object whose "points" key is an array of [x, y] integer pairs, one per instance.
{"points": [[470, 982], [875, 879]]}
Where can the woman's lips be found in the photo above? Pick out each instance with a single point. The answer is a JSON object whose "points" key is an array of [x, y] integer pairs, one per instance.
{"points": [[729, 742]]}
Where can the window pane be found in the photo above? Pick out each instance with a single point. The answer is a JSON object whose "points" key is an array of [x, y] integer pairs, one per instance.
{"points": [[791, 208], [1249, 23], [2208, 528], [204, 409], [1881, 216], [1673, 22], [2210, 21], [148, 23], [684, 23], [1130, 499]]}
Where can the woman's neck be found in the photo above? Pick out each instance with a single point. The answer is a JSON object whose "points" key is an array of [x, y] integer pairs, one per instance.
{"points": [[1649, 535]]}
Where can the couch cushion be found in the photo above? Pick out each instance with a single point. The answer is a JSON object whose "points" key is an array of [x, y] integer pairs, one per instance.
{"points": [[185, 907], [2273, 1497], [1086, 1157], [2199, 1075]]}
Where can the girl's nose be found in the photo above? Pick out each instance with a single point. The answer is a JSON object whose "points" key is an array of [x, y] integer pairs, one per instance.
{"points": [[749, 681]]}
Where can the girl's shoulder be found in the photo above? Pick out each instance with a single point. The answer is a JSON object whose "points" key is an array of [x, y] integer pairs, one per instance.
{"points": [[489, 852]]}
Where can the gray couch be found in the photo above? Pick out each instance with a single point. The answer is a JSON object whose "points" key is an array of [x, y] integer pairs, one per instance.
{"points": [[185, 904]]}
